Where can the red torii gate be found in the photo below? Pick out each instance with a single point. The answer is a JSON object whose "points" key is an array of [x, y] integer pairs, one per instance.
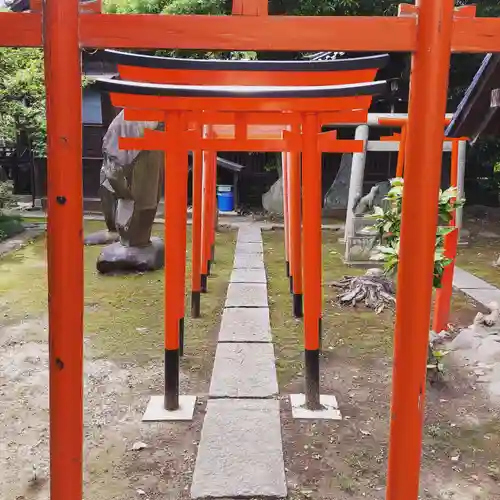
{"points": [[153, 69], [431, 33]]}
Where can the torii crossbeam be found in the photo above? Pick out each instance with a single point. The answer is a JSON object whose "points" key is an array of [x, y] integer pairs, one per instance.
{"points": [[431, 32]]}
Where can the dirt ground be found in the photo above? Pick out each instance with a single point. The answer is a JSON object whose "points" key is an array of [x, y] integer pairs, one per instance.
{"points": [[123, 368], [347, 459]]}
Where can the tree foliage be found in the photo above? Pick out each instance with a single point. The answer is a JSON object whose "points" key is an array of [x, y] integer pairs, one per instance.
{"points": [[22, 96]]}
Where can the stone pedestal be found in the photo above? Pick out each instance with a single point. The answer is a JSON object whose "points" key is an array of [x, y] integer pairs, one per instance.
{"points": [[117, 258], [103, 237]]}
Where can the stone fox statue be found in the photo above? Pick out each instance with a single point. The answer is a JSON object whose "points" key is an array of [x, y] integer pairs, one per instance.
{"points": [[130, 192]]}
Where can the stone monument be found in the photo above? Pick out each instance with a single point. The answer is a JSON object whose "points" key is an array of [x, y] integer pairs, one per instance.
{"points": [[129, 192]]}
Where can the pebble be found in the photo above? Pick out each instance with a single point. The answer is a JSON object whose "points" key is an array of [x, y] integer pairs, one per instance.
{"points": [[139, 446]]}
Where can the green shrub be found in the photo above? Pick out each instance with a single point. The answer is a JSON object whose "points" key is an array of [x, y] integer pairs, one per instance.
{"points": [[388, 226]]}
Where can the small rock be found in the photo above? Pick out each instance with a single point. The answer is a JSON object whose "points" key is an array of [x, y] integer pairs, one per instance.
{"points": [[456, 458], [141, 493], [466, 339], [139, 446]]}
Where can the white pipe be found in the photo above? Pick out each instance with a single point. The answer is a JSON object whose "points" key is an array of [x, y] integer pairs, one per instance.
{"points": [[373, 119], [394, 146], [356, 180]]}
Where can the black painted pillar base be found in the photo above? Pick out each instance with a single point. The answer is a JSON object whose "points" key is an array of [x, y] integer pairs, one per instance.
{"points": [[312, 379], [297, 305], [195, 304], [171, 380], [320, 333], [204, 283], [287, 269], [290, 279], [181, 337], [209, 265]]}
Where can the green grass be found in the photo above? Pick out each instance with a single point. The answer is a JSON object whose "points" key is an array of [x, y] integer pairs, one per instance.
{"points": [[123, 314], [358, 331], [478, 258]]}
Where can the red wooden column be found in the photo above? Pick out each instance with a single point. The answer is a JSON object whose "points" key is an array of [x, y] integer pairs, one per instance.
{"points": [[64, 246], [429, 81], [311, 182], [443, 294], [213, 206], [176, 177], [295, 230], [206, 223], [196, 233], [401, 153], [286, 225]]}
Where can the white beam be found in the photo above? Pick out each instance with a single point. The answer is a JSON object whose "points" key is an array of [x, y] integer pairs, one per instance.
{"points": [[382, 146]]}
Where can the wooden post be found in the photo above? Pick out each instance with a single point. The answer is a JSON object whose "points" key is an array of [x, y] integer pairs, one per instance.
{"points": [[196, 237], [213, 207], [311, 182], [443, 294], [284, 178], [64, 246], [176, 177], [206, 219], [429, 81], [295, 230], [401, 153]]}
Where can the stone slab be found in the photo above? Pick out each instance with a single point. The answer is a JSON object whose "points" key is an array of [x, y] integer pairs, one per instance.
{"points": [[463, 279], [248, 276], [484, 296], [248, 261], [251, 247], [330, 409], [155, 411], [249, 235], [240, 452], [244, 371], [246, 295], [245, 325]]}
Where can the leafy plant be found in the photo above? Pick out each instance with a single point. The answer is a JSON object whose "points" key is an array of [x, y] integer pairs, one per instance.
{"points": [[6, 197], [388, 227], [387, 224]]}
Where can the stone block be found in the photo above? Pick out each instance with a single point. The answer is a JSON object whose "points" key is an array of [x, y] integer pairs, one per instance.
{"points": [[245, 325], [246, 295], [249, 234], [240, 452], [462, 279], [250, 247], [329, 410], [244, 371], [248, 276], [248, 261]]}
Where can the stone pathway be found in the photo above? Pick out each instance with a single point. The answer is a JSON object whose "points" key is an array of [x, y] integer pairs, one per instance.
{"points": [[241, 452], [475, 287]]}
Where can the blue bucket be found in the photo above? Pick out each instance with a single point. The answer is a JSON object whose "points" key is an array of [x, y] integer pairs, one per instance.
{"points": [[225, 198]]}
